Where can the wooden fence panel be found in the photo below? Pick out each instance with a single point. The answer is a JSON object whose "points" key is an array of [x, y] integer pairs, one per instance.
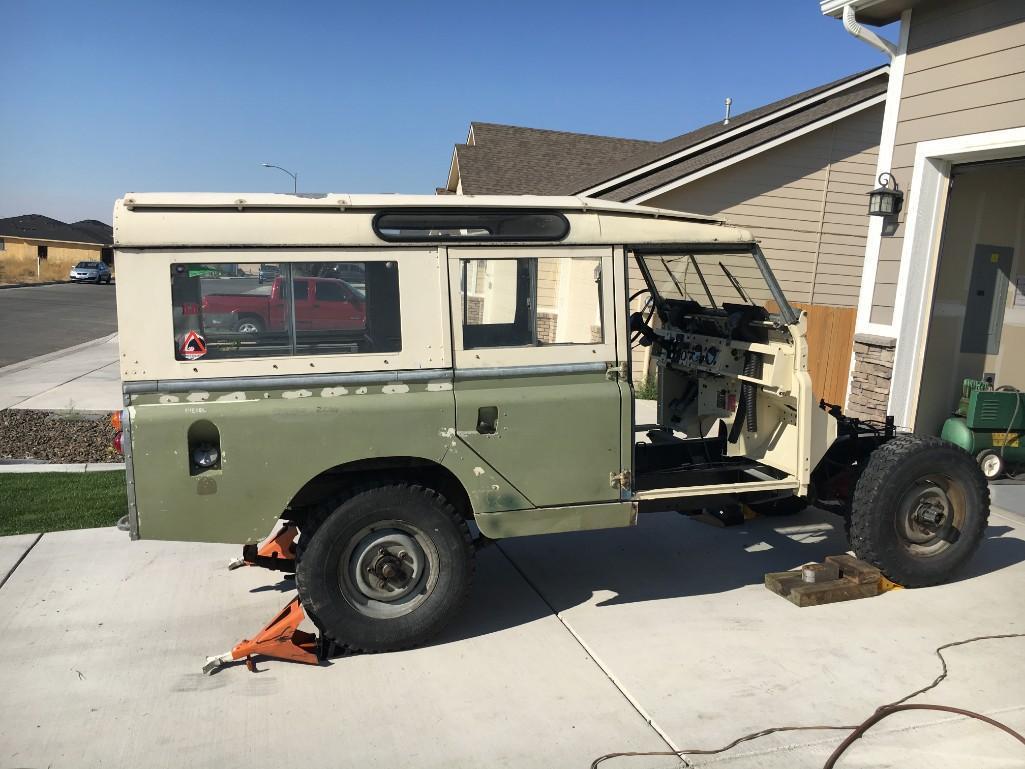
{"points": [[830, 343]]}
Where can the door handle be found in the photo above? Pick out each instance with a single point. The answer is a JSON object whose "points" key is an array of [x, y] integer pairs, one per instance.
{"points": [[487, 420]]}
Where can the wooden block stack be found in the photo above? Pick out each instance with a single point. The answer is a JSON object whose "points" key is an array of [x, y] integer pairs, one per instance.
{"points": [[839, 578]]}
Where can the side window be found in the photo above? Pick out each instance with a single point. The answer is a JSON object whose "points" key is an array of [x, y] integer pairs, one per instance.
{"points": [[258, 310], [361, 316], [531, 302], [229, 311]]}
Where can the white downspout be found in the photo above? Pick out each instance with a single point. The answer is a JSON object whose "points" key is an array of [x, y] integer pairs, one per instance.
{"points": [[850, 23]]}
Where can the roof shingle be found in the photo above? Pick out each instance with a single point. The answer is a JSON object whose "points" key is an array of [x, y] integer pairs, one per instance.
{"points": [[512, 160], [39, 227]]}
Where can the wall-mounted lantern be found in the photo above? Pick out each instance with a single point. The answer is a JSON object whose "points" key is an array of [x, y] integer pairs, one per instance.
{"points": [[884, 201]]}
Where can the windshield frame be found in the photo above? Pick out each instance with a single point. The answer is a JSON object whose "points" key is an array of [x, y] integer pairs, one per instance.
{"points": [[786, 312]]}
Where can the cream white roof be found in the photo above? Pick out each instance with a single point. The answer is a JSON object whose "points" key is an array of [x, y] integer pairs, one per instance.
{"points": [[154, 219]]}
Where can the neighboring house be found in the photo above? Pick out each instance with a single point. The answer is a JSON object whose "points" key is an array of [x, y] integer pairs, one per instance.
{"points": [[35, 247], [943, 293], [794, 172]]}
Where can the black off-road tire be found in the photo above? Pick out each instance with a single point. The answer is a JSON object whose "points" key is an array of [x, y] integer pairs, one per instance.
{"points": [[324, 573], [895, 472], [779, 507]]}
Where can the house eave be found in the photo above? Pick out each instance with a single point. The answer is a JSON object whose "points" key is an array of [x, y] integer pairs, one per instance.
{"points": [[875, 12], [743, 128], [45, 241]]}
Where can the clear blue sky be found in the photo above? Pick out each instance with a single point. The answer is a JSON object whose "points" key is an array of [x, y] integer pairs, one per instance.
{"points": [[101, 98]]}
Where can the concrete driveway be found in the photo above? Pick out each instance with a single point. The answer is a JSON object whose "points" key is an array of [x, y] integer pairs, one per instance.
{"points": [[572, 646]]}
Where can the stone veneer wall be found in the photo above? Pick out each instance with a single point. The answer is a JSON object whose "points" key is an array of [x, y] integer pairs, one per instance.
{"points": [[870, 383], [546, 325]]}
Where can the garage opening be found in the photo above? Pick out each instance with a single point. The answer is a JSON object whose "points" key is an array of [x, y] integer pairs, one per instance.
{"points": [[977, 319]]}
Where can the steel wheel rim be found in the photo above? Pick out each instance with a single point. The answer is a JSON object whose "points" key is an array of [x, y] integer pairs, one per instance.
{"points": [[248, 327], [388, 569], [931, 515]]}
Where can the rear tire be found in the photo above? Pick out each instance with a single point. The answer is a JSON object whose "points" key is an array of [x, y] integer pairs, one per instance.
{"points": [[919, 510], [387, 569]]}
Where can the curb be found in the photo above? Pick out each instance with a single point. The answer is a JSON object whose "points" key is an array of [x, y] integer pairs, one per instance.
{"points": [[23, 364], [33, 285], [56, 467]]}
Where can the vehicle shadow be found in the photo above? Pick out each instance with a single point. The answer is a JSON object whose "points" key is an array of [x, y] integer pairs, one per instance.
{"points": [[667, 556]]}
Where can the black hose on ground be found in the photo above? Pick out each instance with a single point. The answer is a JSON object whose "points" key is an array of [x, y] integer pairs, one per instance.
{"points": [[856, 730]]}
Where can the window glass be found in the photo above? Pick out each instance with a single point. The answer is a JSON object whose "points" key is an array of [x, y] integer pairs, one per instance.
{"points": [[353, 307], [438, 225], [531, 302], [253, 310], [710, 279], [229, 311]]}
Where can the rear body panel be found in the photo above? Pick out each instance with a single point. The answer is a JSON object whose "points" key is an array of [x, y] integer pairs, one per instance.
{"points": [[274, 440]]}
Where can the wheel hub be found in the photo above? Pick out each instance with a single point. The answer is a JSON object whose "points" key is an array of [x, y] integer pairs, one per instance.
{"points": [[387, 565], [928, 518], [930, 515]]}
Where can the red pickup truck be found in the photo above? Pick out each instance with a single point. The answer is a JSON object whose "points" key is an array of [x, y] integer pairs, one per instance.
{"points": [[321, 304]]}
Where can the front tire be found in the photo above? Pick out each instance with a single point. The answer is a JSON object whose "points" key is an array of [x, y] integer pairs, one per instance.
{"points": [[387, 569], [919, 510]]}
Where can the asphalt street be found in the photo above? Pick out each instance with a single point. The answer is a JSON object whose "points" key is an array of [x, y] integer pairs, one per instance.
{"points": [[41, 319]]}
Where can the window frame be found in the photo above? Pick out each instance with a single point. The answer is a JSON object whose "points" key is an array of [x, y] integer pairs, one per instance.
{"points": [[455, 211], [425, 345], [286, 273], [543, 355]]}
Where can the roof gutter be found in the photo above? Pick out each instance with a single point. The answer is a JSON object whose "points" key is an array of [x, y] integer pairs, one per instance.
{"points": [[850, 23]]}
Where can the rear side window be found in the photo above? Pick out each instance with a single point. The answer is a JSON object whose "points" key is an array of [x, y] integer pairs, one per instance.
{"points": [[235, 310], [531, 302]]}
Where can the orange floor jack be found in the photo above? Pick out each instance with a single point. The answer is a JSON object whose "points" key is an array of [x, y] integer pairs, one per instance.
{"points": [[281, 638]]}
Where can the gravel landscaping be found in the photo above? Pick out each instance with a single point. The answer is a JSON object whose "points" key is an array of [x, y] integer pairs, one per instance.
{"points": [[57, 437]]}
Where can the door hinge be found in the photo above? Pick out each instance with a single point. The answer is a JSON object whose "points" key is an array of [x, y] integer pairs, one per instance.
{"points": [[620, 480], [616, 372]]}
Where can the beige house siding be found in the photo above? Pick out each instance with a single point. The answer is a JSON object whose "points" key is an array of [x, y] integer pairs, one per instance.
{"points": [[805, 202], [18, 259], [964, 74]]}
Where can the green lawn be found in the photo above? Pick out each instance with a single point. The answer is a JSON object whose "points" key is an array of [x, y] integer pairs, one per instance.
{"points": [[40, 502]]}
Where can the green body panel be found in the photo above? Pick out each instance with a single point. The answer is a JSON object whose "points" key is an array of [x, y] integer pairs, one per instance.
{"points": [[957, 431], [273, 441], [554, 520], [557, 439]]}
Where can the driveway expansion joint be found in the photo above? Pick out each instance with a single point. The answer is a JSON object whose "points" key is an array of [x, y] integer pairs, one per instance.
{"points": [[662, 734], [18, 563]]}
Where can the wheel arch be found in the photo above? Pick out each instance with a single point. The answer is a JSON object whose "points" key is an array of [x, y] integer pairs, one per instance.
{"points": [[410, 469]]}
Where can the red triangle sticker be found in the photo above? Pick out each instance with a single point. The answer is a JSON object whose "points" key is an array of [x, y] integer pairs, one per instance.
{"points": [[192, 347]]}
